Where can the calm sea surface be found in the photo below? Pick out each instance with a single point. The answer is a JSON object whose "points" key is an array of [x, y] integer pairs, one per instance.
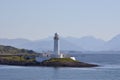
{"points": [[109, 70]]}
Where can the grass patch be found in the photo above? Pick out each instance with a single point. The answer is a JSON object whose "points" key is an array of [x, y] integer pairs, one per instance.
{"points": [[18, 58], [60, 60]]}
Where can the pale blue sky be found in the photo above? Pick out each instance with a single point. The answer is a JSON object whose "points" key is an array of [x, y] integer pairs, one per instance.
{"points": [[37, 19]]}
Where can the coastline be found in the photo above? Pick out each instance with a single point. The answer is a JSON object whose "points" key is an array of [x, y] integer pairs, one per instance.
{"points": [[47, 64]]}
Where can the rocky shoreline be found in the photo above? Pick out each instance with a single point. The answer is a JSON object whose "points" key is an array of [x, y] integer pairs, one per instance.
{"points": [[68, 64], [47, 64]]}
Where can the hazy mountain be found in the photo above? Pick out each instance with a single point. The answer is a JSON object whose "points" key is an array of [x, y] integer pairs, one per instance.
{"points": [[87, 43], [39, 45], [47, 44], [113, 44], [14, 42]]}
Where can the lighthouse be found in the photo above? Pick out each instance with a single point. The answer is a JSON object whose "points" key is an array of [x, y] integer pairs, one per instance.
{"points": [[56, 52], [56, 44]]}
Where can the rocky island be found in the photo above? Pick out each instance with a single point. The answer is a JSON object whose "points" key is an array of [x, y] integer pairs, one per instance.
{"points": [[65, 62], [22, 57], [53, 62]]}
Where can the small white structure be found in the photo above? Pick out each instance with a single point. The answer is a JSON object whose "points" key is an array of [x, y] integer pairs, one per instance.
{"points": [[44, 56], [40, 59], [73, 58]]}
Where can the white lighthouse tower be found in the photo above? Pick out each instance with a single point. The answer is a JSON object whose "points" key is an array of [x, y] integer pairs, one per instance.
{"points": [[57, 54], [56, 44]]}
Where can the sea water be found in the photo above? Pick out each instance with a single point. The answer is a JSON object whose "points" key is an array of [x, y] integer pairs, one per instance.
{"points": [[109, 69]]}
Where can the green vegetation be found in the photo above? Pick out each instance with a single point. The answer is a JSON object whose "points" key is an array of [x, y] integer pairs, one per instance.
{"points": [[18, 58], [60, 60], [13, 50], [14, 54]]}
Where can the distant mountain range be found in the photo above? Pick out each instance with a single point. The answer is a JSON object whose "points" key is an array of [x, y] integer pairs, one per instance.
{"points": [[87, 43]]}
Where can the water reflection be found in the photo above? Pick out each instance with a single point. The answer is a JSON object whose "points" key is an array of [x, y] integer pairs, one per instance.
{"points": [[55, 73]]}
